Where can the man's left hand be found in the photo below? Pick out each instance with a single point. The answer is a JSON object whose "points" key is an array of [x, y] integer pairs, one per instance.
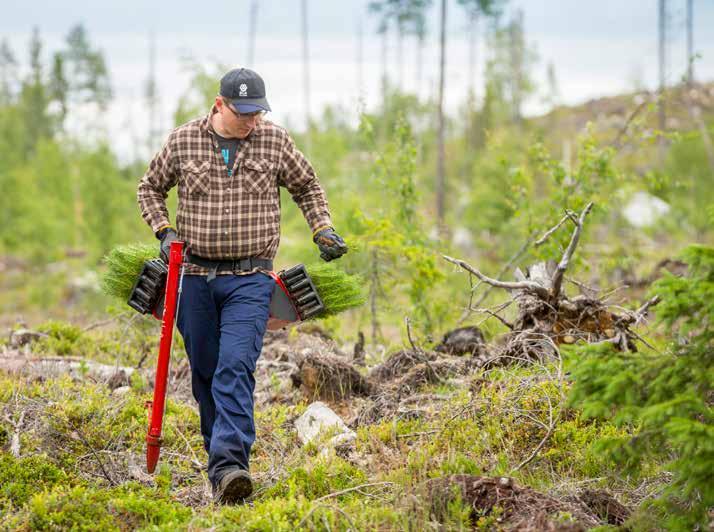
{"points": [[330, 243]]}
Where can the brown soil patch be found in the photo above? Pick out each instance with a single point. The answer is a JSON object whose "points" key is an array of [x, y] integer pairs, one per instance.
{"points": [[520, 508]]}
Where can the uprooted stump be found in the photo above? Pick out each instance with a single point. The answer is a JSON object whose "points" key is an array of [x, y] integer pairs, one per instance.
{"points": [[327, 377], [462, 341], [401, 375], [398, 363], [547, 317], [605, 506], [514, 507]]}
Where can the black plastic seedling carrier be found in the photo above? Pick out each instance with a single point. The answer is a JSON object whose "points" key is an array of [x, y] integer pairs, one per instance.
{"points": [[149, 286], [302, 291]]}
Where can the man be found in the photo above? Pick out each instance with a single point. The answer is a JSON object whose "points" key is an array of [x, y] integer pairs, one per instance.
{"points": [[228, 167]]}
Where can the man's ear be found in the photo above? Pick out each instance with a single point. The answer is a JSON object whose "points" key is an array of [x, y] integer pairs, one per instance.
{"points": [[219, 102]]}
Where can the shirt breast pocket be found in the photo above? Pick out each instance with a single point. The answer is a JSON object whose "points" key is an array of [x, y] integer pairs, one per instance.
{"points": [[257, 176], [196, 177]]}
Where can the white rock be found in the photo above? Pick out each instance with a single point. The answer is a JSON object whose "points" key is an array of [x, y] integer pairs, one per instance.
{"points": [[121, 391], [319, 420], [644, 209]]}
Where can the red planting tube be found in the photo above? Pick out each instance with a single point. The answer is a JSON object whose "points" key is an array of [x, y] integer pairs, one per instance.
{"points": [[156, 407]]}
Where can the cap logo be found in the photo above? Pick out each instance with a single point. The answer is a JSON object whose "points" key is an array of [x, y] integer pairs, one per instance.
{"points": [[243, 90]]}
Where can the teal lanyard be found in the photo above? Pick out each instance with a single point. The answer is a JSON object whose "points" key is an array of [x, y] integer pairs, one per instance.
{"points": [[226, 154]]}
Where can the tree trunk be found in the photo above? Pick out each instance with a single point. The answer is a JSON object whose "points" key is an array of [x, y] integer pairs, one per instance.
{"points": [[662, 76], [690, 43], [373, 292], [419, 65], [360, 62], [400, 57], [250, 60], [473, 41], [306, 70], [384, 67], [441, 171]]}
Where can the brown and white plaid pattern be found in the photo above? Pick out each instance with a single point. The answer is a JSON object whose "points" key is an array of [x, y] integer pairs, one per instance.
{"points": [[228, 217]]}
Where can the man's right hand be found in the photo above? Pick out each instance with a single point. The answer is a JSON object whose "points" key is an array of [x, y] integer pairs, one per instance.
{"points": [[166, 235]]}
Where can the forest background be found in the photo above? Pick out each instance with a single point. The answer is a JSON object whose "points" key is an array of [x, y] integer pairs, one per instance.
{"points": [[409, 177]]}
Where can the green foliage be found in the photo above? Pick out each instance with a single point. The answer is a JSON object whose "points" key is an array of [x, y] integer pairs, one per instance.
{"points": [[127, 507], [62, 339], [321, 478], [339, 291], [124, 264], [22, 478], [389, 237], [664, 395], [202, 92]]}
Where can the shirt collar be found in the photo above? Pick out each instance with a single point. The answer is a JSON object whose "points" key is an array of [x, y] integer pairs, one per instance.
{"points": [[206, 125]]}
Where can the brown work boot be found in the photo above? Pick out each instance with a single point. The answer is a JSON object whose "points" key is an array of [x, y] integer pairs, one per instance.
{"points": [[233, 487]]}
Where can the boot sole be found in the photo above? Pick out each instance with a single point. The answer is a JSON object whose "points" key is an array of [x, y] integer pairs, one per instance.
{"points": [[237, 490]]}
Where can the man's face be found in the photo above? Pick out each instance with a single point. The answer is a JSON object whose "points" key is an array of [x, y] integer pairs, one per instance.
{"points": [[237, 124]]}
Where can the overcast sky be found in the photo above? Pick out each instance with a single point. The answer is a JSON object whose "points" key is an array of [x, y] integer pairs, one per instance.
{"points": [[597, 48]]}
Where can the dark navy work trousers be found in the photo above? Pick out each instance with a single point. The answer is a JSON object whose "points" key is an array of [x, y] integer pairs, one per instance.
{"points": [[223, 323]]}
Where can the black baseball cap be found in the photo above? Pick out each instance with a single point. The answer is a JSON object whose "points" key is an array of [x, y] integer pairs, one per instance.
{"points": [[246, 90]]}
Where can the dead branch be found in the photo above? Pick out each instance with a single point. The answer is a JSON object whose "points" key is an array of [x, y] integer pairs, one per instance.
{"points": [[641, 312], [557, 280], [553, 417], [696, 114], [102, 323], [91, 449], [15, 438], [496, 315], [348, 490], [552, 230], [408, 323], [551, 428], [522, 285], [616, 143], [324, 523], [505, 268]]}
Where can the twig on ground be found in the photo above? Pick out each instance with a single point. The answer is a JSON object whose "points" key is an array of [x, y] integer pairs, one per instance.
{"points": [[354, 488], [94, 453], [15, 438], [325, 524], [551, 428], [102, 323]]}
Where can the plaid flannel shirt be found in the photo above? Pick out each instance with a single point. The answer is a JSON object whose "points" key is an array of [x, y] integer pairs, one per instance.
{"points": [[222, 216]]}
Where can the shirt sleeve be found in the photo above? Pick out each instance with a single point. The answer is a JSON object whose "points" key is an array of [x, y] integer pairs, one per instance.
{"points": [[153, 188], [298, 176]]}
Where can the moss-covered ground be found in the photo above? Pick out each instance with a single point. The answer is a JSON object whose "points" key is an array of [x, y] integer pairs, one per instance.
{"points": [[81, 453]]}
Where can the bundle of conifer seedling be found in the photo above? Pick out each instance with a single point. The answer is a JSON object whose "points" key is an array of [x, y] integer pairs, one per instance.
{"points": [[338, 290]]}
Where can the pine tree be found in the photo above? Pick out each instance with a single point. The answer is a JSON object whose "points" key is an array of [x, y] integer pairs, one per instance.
{"points": [[665, 397]]}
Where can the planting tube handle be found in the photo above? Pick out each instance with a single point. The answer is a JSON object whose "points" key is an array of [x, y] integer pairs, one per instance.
{"points": [[157, 406]]}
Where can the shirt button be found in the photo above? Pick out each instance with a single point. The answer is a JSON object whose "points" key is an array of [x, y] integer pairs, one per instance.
{"points": [[227, 210], [228, 190], [226, 232]]}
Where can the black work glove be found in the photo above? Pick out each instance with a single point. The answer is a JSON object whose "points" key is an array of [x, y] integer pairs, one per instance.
{"points": [[166, 235], [330, 243]]}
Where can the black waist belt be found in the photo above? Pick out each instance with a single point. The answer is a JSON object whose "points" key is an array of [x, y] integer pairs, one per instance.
{"points": [[234, 265]]}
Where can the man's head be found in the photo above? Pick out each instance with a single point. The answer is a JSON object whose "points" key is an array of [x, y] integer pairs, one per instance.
{"points": [[241, 102]]}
